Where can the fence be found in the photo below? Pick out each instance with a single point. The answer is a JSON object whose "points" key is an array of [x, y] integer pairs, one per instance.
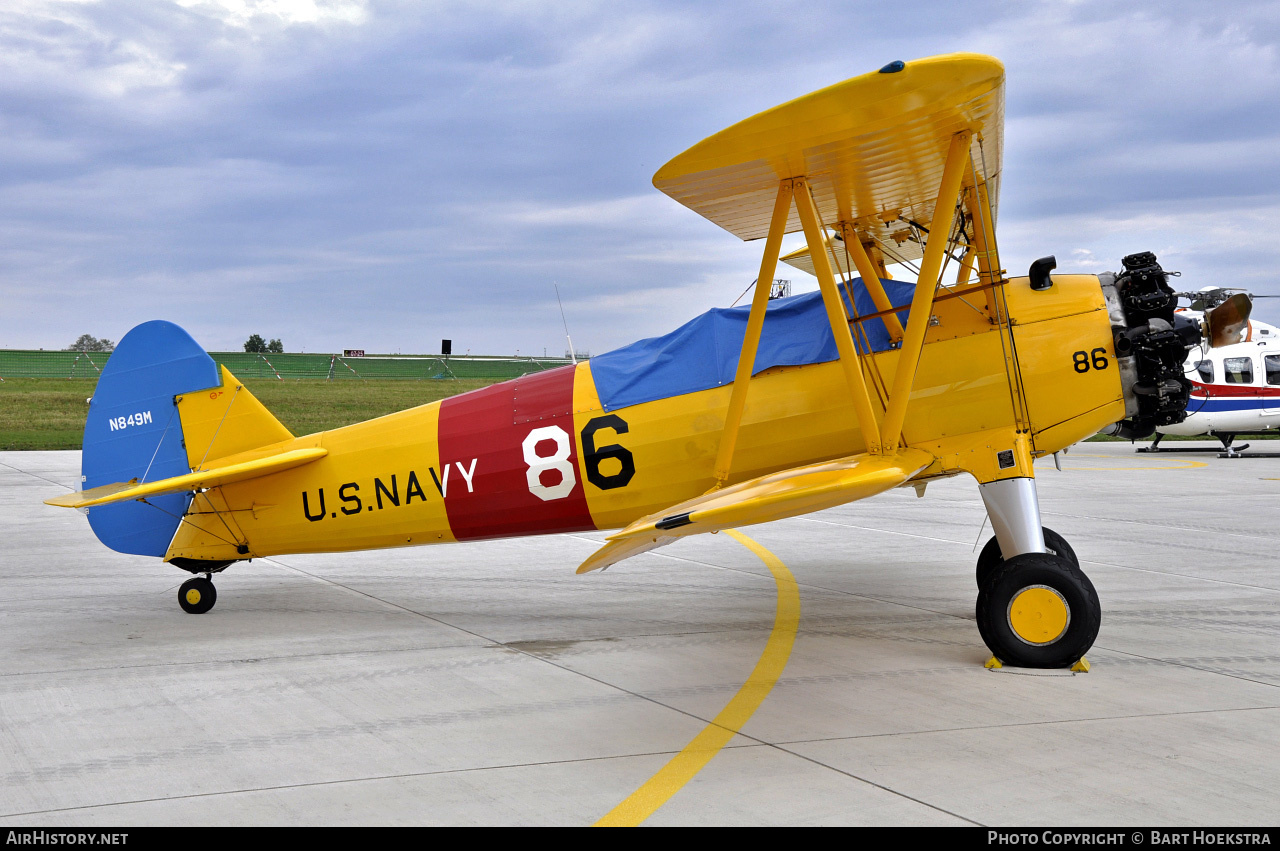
{"points": [[21, 363]]}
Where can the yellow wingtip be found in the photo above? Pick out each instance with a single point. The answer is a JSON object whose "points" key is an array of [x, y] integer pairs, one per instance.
{"points": [[617, 549]]}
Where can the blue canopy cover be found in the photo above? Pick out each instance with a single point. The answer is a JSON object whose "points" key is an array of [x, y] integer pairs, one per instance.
{"points": [[703, 353]]}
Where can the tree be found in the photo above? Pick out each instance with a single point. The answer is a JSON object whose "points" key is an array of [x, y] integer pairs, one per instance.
{"points": [[90, 343], [256, 344]]}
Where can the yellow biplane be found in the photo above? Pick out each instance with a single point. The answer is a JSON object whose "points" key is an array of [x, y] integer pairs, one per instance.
{"points": [[742, 415]]}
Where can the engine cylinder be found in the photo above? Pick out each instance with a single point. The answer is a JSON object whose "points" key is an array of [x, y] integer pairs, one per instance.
{"points": [[1151, 344]]}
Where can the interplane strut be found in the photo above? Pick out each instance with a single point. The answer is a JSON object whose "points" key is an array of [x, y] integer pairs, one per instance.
{"points": [[880, 438], [926, 286]]}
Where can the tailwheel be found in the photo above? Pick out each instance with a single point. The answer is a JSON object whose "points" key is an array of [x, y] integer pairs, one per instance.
{"points": [[1038, 610], [990, 558], [197, 596]]}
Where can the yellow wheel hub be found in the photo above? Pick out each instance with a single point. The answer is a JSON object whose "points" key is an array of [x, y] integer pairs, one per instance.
{"points": [[193, 596], [1039, 615]]}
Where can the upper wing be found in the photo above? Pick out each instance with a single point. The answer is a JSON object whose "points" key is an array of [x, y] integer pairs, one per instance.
{"points": [[872, 148], [788, 493]]}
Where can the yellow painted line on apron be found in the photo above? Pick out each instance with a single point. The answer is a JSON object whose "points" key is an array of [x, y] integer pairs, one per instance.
{"points": [[1179, 465], [659, 788]]}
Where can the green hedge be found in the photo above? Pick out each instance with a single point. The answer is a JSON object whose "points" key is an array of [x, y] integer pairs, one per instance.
{"points": [[20, 363]]}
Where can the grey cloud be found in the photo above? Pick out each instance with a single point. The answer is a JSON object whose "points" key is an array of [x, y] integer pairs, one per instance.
{"points": [[399, 172]]}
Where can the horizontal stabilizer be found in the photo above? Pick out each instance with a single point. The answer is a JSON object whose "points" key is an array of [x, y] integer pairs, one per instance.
{"points": [[202, 479], [775, 496]]}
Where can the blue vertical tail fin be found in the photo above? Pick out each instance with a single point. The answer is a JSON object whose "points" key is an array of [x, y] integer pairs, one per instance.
{"points": [[133, 431]]}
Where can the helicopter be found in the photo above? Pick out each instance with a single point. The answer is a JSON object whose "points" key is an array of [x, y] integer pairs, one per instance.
{"points": [[1236, 387]]}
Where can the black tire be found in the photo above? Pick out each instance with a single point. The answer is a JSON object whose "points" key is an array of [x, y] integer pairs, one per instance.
{"points": [[1037, 573], [197, 596], [989, 559]]}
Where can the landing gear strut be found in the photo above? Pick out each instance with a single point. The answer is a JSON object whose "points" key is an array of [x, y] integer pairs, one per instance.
{"points": [[1229, 451], [1036, 608], [197, 595]]}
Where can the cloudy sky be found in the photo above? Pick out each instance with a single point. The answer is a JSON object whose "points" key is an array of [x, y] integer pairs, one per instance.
{"points": [[380, 175]]}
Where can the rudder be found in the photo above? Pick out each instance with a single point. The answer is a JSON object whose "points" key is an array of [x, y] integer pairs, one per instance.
{"points": [[133, 431]]}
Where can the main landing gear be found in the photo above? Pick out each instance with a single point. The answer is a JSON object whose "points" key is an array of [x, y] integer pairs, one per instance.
{"points": [[1227, 451], [1036, 609], [990, 558]]}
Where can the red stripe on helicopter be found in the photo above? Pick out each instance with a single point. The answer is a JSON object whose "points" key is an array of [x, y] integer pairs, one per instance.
{"points": [[508, 459], [1237, 391]]}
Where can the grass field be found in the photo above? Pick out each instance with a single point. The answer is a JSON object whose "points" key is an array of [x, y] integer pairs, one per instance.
{"points": [[48, 413]]}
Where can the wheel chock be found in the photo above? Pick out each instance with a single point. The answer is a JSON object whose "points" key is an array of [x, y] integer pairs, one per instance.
{"points": [[1080, 667]]}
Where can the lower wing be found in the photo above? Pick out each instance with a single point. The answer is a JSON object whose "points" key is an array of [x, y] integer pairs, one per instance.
{"points": [[775, 496]]}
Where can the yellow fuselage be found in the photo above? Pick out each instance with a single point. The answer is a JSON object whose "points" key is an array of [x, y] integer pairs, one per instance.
{"points": [[540, 454]]}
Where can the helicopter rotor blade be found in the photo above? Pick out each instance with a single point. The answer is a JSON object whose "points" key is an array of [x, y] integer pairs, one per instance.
{"points": [[1227, 322]]}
